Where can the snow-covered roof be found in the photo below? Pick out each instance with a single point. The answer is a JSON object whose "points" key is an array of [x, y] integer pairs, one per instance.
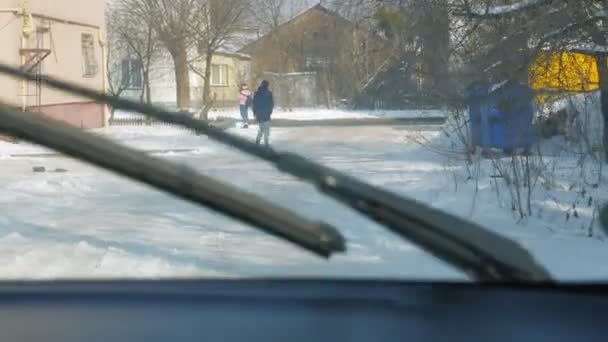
{"points": [[302, 73], [239, 40], [587, 47], [504, 9], [233, 45], [317, 7], [225, 52], [497, 86], [493, 66], [572, 46]]}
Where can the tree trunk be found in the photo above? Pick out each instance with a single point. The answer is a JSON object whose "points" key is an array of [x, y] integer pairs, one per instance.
{"points": [[146, 80], [147, 65], [148, 91], [207, 85], [146, 96], [602, 69], [142, 92], [182, 77]]}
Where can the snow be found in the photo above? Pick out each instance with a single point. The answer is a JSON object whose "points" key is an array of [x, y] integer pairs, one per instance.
{"points": [[49, 260], [498, 86], [88, 223], [305, 114], [301, 73], [505, 9], [324, 114], [586, 109], [495, 65], [590, 48], [229, 52]]}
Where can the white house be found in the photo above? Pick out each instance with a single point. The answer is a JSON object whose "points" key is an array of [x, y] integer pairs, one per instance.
{"points": [[229, 69]]}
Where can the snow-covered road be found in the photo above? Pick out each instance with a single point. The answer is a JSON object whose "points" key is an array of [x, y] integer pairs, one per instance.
{"points": [[90, 223]]}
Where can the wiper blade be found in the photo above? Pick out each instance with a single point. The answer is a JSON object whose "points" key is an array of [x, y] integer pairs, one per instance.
{"points": [[482, 254], [176, 179]]}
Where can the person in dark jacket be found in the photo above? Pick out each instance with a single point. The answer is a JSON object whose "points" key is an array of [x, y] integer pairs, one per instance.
{"points": [[263, 105]]}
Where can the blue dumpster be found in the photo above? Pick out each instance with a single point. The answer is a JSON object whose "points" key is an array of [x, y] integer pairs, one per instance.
{"points": [[501, 115], [475, 95]]}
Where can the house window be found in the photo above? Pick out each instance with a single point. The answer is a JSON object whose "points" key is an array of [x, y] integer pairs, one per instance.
{"points": [[132, 73], [90, 66], [219, 75]]}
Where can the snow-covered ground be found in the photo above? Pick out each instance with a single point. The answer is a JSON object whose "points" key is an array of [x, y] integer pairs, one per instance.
{"points": [[90, 223], [324, 114], [301, 114]]}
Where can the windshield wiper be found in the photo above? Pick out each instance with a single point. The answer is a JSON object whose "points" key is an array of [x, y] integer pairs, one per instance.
{"points": [[482, 254], [176, 179]]}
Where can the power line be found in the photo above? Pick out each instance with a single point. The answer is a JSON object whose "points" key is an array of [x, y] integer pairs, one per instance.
{"points": [[6, 25]]}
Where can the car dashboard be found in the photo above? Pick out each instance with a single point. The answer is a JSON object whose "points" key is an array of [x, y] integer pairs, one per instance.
{"points": [[299, 310]]}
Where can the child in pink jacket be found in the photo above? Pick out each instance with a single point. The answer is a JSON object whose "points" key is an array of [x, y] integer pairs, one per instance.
{"points": [[244, 103]]}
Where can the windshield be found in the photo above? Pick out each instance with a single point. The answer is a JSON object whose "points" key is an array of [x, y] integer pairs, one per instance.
{"points": [[415, 140]]}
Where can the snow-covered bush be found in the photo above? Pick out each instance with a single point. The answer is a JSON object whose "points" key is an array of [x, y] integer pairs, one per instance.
{"points": [[559, 179], [583, 122]]}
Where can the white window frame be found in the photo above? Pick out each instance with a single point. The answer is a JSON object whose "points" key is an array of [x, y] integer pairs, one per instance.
{"points": [[90, 65], [224, 75]]}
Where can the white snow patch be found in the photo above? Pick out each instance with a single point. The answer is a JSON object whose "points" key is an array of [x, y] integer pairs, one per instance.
{"points": [[44, 185], [504, 9], [585, 112], [587, 47], [25, 258], [497, 86], [307, 114]]}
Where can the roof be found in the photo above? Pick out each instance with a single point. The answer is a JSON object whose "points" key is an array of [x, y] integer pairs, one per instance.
{"points": [[233, 45], [318, 7], [493, 89], [242, 56]]}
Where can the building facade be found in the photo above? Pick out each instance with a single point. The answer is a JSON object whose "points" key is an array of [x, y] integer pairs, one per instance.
{"points": [[61, 38], [228, 71], [319, 42]]}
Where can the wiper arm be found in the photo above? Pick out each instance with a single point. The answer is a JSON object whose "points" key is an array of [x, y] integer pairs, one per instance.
{"points": [[482, 254], [176, 179]]}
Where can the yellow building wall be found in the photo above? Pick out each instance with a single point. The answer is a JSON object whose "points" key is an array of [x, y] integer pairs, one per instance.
{"points": [[227, 95], [557, 74]]}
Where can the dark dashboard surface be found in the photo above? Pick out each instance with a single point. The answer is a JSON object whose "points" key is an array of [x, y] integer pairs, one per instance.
{"points": [[299, 310]]}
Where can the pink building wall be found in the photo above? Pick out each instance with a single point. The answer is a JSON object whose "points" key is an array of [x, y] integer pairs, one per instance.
{"points": [[77, 114]]}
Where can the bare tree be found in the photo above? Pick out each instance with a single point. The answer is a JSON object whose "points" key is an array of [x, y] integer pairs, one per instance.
{"points": [[173, 21], [115, 49], [416, 69], [268, 14], [222, 20], [136, 38]]}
